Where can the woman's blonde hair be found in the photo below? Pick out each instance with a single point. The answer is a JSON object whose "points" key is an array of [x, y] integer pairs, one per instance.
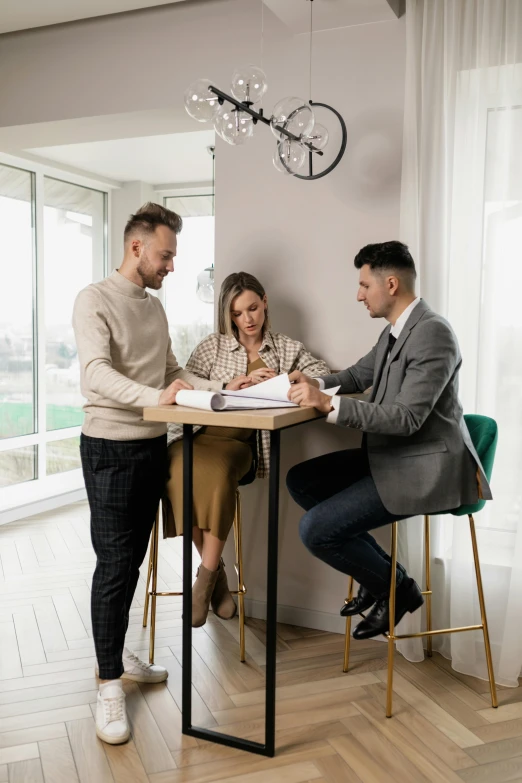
{"points": [[234, 285]]}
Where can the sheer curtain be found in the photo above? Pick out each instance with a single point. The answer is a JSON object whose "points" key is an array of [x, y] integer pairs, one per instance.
{"points": [[461, 214]]}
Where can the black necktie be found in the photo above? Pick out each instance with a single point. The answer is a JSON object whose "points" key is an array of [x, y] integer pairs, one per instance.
{"points": [[391, 342]]}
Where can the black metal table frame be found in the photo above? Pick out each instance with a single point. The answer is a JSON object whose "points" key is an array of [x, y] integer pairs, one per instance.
{"points": [[268, 748]]}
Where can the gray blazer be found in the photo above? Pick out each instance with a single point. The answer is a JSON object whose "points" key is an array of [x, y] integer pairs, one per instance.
{"points": [[421, 455]]}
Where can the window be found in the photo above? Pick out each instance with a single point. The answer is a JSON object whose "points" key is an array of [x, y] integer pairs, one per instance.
{"points": [[73, 243], [54, 236], [190, 319], [486, 242], [17, 344]]}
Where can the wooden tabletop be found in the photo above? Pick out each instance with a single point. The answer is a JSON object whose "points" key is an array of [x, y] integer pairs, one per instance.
{"points": [[264, 419]]}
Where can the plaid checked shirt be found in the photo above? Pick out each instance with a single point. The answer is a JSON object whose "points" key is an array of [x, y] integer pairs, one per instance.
{"points": [[222, 358]]}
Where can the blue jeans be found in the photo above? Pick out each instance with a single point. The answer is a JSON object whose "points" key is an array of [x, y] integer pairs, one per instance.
{"points": [[342, 504]]}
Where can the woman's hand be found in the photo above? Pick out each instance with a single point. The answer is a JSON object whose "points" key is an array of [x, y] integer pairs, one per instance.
{"points": [[241, 382], [263, 374]]}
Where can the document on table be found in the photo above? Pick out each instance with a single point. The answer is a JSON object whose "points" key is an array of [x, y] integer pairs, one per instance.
{"points": [[269, 394]]}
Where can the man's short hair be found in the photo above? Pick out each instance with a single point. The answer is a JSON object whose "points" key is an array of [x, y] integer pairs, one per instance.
{"points": [[149, 217], [387, 256]]}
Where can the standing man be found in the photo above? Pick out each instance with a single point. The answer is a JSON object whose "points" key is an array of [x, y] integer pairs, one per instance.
{"points": [[416, 455], [126, 364]]}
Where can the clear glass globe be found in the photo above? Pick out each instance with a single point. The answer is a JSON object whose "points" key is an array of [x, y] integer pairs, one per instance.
{"points": [[201, 104], [318, 137], [293, 115], [205, 285], [289, 156], [233, 126], [248, 84]]}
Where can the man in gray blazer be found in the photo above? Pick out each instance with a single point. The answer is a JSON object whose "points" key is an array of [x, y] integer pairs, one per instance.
{"points": [[416, 455]]}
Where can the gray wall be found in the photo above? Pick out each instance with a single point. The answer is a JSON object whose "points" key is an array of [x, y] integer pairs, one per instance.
{"points": [[125, 62], [300, 238]]}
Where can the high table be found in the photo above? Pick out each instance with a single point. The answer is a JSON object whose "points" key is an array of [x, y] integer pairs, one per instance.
{"points": [[274, 420]]}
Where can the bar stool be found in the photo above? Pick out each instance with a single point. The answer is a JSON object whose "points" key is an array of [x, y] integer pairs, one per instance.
{"points": [[152, 573], [484, 435]]}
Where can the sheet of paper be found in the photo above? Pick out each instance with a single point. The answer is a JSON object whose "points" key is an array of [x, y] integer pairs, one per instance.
{"points": [[275, 389], [213, 401], [241, 403], [196, 398]]}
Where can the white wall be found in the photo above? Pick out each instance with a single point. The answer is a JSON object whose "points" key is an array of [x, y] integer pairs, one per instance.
{"points": [[300, 238]]}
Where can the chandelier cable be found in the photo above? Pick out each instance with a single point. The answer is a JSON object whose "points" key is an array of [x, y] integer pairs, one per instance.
{"points": [[310, 53], [262, 47]]}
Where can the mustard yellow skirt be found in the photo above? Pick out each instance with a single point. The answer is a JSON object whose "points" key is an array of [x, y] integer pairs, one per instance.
{"points": [[222, 456]]}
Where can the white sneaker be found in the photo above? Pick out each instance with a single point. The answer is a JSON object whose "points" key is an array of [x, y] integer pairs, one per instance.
{"points": [[112, 725], [139, 671]]}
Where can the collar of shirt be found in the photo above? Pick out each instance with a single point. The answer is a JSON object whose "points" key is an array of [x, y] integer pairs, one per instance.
{"points": [[401, 320], [268, 342], [127, 287]]}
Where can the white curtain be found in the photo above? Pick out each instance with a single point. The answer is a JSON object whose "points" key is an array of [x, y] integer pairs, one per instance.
{"points": [[461, 214]]}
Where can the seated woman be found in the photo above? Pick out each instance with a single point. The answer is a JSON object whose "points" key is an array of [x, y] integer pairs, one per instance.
{"points": [[243, 352]]}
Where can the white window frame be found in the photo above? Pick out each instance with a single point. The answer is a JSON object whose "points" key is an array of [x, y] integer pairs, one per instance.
{"points": [[68, 485]]}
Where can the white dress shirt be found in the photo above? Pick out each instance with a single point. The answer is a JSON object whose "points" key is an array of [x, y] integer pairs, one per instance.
{"points": [[396, 329]]}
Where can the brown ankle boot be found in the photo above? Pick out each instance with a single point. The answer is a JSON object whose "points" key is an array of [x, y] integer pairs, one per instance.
{"points": [[222, 602], [201, 594]]}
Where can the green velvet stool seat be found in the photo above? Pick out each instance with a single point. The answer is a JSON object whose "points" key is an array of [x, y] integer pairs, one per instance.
{"points": [[484, 435]]}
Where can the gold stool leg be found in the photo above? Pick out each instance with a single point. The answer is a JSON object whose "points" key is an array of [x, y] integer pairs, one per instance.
{"points": [[155, 545], [391, 633], [147, 596], [348, 631], [489, 660], [239, 569], [427, 550]]}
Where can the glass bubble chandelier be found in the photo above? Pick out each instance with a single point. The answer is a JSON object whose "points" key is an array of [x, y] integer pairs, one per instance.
{"points": [[299, 138]]}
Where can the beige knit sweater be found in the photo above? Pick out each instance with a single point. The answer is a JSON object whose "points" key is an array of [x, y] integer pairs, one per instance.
{"points": [[126, 358]]}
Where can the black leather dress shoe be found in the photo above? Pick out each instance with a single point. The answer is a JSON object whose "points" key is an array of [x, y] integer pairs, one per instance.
{"points": [[362, 601], [408, 598]]}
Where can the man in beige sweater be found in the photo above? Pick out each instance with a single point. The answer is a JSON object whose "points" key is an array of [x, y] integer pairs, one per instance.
{"points": [[126, 363]]}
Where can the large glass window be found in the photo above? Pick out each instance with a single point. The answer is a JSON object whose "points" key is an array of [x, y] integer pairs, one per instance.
{"points": [[17, 380], [73, 242], [190, 318], [52, 247]]}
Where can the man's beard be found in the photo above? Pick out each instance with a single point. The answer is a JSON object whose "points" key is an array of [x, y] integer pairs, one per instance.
{"points": [[147, 274]]}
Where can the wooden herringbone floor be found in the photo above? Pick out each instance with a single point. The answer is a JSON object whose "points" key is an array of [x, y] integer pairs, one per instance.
{"points": [[330, 727]]}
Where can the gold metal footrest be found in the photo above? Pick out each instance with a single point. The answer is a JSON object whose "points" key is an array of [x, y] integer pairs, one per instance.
{"points": [[436, 633]]}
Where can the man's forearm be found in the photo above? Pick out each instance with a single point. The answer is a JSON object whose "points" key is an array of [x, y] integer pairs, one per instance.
{"points": [[196, 381], [112, 385], [393, 419]]}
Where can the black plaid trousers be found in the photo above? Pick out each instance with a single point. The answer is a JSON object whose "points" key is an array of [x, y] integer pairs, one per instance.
{"points": [[124, 482]]}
